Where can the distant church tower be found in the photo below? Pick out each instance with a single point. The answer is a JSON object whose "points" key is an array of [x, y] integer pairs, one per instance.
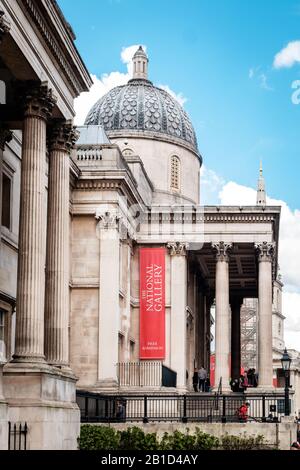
{"points": [[261, 190]]}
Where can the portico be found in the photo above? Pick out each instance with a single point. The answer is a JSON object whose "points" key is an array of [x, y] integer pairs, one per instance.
{"points": [[241, 264], [37, 105]]}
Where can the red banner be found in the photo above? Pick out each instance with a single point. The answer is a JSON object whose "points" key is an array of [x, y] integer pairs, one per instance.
{"points": [[152, 303]]}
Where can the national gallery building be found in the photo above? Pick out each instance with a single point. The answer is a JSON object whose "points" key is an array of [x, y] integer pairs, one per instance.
{"points": [[109, 264]]}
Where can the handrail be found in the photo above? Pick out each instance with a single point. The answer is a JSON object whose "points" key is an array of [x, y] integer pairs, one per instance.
{"points": [[96, 407]]}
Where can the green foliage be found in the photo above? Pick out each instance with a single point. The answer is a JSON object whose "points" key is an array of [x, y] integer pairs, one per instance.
{"points": [[206, 441], [242, 442], [94, 437], [177, 441], [136, 439], [98, 438], [180, 441]]}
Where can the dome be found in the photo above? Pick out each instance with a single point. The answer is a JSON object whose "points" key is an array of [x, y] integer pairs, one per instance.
{"points": [[142, 108]]}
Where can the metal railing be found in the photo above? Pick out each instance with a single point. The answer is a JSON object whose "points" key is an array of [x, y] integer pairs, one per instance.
{"points": [[17, 436], [207, 408], [145, 374], [139, 374]]}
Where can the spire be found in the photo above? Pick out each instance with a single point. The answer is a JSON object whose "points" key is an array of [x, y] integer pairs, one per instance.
{"points": [[261, 190], [140, 64]]}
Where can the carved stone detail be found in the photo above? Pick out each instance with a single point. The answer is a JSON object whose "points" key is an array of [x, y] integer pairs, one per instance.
{"points": [[108, 219], [265, 251], [222, 250], [62, 136], [4, 25], [5, 136], [178, 248], [39, 101]]}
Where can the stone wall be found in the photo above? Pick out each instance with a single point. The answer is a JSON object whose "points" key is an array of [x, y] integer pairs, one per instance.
{"points": [[280, 435]]}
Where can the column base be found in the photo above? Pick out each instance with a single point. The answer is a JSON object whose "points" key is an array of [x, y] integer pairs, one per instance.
{"points": [[106, 385], [224, 390], [261, 389], [45, 398], [29, 359]]}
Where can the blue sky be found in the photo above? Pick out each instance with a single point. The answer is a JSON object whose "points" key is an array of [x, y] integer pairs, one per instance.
{"points": [[234, 61], [206, 50]]}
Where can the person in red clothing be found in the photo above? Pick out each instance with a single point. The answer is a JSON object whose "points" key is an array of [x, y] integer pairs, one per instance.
{"points": [[243, 412]]}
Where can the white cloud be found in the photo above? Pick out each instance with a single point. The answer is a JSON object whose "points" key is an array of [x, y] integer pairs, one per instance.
{"points": [[211, 185], [107, 81], [232, 193], [289, 250], [288, 56], [291, 308]]}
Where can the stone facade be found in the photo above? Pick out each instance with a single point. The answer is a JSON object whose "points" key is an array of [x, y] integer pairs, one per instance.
{"points": [[84, 214], [43, 73]]}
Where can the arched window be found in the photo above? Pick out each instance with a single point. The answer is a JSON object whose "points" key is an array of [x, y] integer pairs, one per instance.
{"points": [[175, 173]]}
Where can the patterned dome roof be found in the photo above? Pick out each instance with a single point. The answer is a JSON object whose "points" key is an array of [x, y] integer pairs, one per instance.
{"points": [[138, 107]]}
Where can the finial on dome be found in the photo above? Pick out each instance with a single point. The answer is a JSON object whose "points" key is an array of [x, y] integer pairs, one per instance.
{"points": [[261, 190], [140, 64]]}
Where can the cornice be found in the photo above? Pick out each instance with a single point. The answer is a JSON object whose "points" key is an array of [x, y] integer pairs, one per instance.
{"points": [[34, 10]]}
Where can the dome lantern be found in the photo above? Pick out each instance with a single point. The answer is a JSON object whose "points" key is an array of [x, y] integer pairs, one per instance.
{"points": [[140, 64]]}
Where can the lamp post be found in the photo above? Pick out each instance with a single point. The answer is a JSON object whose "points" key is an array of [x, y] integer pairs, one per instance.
{"points": [[286, 364]]}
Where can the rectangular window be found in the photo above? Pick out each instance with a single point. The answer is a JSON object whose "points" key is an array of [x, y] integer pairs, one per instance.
{"points": [[131, 350], [6, 201], [2, 335]]}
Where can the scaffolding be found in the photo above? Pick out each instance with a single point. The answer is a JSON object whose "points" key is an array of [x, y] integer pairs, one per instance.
{"points": [[248, 333]]}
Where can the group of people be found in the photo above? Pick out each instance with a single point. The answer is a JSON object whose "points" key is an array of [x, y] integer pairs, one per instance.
{"points": [[201, 382], [248, 379]]}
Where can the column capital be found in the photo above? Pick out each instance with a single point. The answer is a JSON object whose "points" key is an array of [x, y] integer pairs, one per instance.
{"points": [[222, 250], [178, 248], [4, 25], [265, 251], [38, 100], [5, 136], [108, 218], [62, 135]]}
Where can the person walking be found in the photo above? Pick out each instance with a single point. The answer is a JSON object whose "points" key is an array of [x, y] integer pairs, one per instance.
{"points": [[202, 376], [195, 380], [207, 384], [243, 412]]}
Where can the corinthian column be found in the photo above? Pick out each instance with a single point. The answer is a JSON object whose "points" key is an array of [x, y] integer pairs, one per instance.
{"points": [[265, 253], [222, 331], [31, 262], [178, 310], [61, 139]]}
